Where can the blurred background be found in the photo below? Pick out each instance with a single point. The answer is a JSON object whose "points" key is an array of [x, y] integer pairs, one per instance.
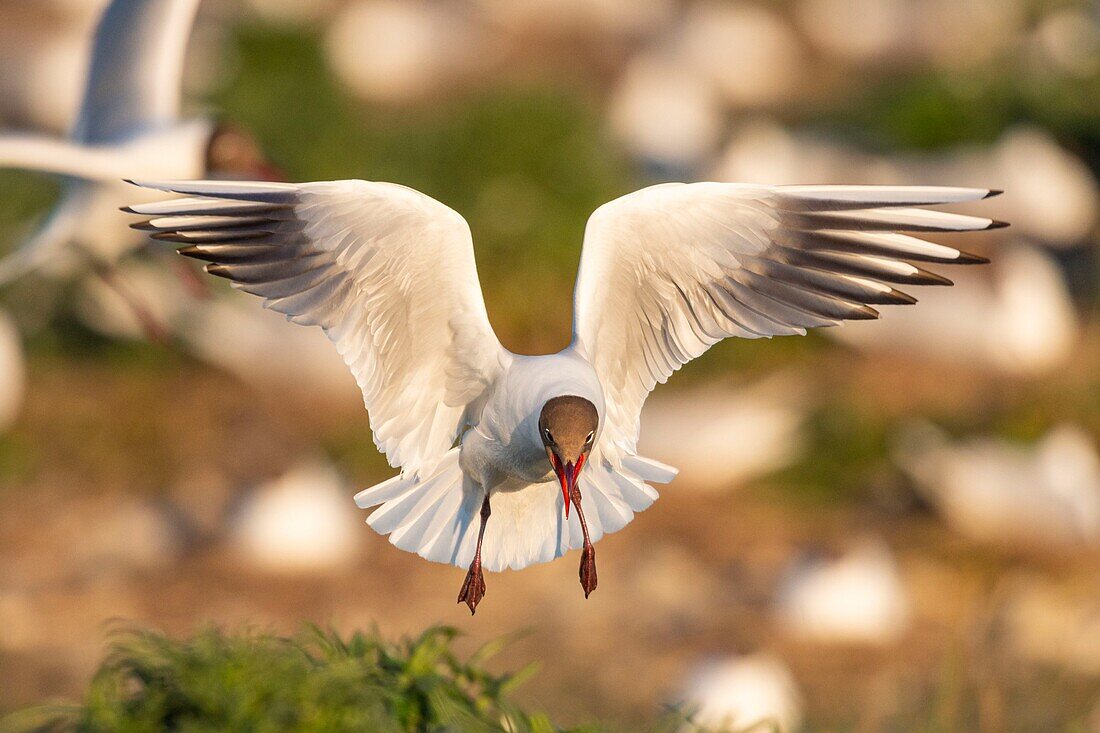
{"points": [[892, 525]]}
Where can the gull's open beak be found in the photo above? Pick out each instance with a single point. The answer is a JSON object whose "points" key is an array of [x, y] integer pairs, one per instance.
{"points": [[567, 476]]}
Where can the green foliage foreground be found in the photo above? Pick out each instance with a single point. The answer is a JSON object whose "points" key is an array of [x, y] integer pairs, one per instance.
{"points": [[317, 681]]}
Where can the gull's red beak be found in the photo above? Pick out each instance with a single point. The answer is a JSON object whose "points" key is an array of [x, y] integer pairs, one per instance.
{"points": [[567, 476]]}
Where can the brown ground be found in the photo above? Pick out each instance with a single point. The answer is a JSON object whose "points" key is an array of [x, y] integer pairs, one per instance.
{"points": [[693, 576]]}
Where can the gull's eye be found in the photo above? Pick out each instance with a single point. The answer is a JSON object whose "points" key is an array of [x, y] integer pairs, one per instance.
{"points": [[549, 437], [590, 437]]}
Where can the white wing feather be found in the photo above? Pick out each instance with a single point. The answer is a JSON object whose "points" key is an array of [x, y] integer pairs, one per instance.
{"points": [[30, 151], [386, 271], [670, 270], [137, 67]]}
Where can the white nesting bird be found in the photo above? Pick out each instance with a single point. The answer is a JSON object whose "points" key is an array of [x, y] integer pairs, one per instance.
{"points": [[1044, 496], [129, 124], [857, 598], [756, 692], [666, 272], [297, 522]]}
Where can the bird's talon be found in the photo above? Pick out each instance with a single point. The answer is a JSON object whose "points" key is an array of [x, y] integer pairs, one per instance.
{"points": [[473, 588], [588, 570]]}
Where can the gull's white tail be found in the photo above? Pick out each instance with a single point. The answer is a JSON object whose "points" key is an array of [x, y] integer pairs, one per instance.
{"points": [[438, 517]]}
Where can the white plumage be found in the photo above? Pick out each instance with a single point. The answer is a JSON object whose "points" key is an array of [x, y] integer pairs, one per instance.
{"points": [[665, 273], [128, 125]]}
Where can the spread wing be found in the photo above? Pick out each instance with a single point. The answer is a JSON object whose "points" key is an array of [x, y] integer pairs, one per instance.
{"points": [[136, 69], [386, 271], [670, 270]]}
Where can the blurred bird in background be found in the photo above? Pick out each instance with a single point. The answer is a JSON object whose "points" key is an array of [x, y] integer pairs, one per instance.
{"points": [[666, 272], [129, 121]]}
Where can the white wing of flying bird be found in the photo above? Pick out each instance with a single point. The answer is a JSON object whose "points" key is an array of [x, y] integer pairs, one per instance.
{"points": [[127, 125], [386, 271], [136, 72], [665, 273], [45, 154], [668, 271]]}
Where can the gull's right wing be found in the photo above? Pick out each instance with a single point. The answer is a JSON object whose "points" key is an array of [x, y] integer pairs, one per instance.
{"points": [[670, 270], [386, 271]]}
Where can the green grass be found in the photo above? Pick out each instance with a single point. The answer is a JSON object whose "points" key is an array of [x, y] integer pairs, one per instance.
{"points": [[317, 681]]}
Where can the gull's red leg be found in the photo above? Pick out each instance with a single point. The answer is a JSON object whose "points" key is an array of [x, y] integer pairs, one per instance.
{"points": [[588, 552], [154, 330], [473, 589], [195, 285]]}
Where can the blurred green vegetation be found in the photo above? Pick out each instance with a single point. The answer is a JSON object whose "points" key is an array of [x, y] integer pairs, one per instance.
{"points": [[318, 681], [322, 681]]}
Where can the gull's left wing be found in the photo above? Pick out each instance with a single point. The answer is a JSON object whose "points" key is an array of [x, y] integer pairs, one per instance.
{"points": [[386, 271], [670, 270]]}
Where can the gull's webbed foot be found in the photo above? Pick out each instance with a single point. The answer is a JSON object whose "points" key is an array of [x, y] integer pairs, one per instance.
{"points": [[588, 569], [473, 589]]}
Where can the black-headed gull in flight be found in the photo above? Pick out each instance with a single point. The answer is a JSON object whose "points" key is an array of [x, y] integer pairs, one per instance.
{"points": [[481, 433], [129, 120]]}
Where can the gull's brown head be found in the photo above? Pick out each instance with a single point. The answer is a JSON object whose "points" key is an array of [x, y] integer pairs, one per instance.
{"points": [[567, 427], [233, 152]]}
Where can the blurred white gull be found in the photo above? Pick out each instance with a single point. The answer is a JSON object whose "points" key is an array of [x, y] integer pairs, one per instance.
{"points": [[664, 113], [1016, 317], [606, 17], [857, 30], [1069, 39], [1053, 197], [666, 272], [395, 51], [747, 51], [756, 692], [720, 437], [298, 523], [949, 33], [129, 124], [1045, 496], [857, 598], [257, 346]]}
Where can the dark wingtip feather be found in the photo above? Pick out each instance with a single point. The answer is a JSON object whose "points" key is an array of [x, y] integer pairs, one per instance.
{"points": [[195, 252], [997, 224], [924, 277], [127, 210], [862, 313], [144, 226], [968, 258], [993, 192], [900, 298], [218, 270], [168, 236]]}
